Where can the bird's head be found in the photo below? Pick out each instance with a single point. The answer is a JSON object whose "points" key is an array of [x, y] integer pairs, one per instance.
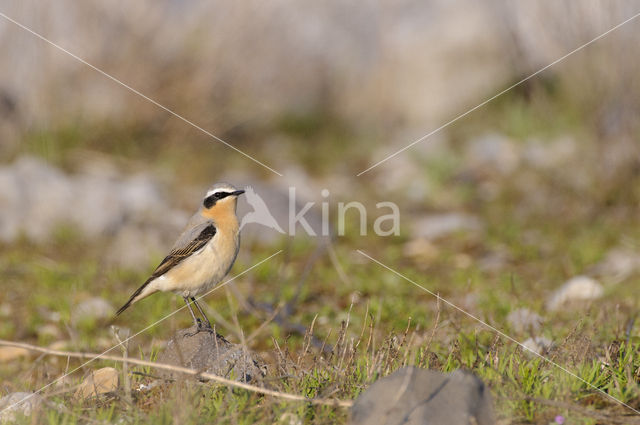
{"points": [[221, 198]]}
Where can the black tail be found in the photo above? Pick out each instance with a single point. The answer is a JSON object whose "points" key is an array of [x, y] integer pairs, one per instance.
{"points": [[133, 297]]}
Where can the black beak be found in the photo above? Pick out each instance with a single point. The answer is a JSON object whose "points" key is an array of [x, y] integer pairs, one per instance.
{"points": [[237, 192]]}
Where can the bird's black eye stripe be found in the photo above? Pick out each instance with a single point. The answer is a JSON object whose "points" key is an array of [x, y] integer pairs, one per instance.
{"points": [[210, 201]]}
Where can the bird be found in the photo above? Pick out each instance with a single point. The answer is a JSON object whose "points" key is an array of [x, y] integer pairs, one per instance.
{"points": [[201, 256], [260, 213]]}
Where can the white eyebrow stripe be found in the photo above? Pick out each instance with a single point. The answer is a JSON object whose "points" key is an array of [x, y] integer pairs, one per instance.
{"points": [[220, 189]]}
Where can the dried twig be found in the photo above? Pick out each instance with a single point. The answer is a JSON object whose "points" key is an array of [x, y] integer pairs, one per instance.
{"points": [[435, 325], [183, 370]]}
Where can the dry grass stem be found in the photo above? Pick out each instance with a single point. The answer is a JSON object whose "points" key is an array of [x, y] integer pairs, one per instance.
{"points": [[182, 370]]}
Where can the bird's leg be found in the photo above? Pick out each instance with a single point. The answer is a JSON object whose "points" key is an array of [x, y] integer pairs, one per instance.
{"points": [[196, 321], [207, 323]]}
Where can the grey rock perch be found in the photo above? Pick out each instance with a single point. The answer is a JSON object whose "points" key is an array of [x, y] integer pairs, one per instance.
{"points": [[210, 352], [412, 396]]}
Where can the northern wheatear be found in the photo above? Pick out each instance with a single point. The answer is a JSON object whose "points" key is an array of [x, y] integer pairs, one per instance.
{"points": [[202, 255]]}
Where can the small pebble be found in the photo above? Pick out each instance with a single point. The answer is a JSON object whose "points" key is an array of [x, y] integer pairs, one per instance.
{"points": [[98, 382], [49, 330], [420, 250]]}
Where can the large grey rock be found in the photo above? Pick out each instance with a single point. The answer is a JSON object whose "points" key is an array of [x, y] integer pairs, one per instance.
{"points": [[212, 353], [36, 198], [413, 396], [18, 403]]}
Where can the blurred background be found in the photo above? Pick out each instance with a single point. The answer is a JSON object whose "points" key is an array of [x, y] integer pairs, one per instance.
{"points": [[321, 92], [498, 209]]}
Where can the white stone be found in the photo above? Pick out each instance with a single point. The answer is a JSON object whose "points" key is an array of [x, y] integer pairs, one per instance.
{"points": [[494, 152], [95, 308], [538, 344], [290, 419], [618, 264], [49, 330], [576, 289], [13, 404], [550, 154], [524, 320], [439, 225]]}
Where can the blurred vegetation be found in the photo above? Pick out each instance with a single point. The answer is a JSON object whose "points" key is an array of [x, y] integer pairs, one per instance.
{"points": [[547, 243], [549, 223]]}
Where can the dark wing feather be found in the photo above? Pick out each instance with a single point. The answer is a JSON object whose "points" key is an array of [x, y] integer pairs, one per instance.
{"points": [[174, 258], [177, 255]]}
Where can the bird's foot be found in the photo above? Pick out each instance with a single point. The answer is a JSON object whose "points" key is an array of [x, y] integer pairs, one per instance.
{"points": [[201, 327], [205, 326]]}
